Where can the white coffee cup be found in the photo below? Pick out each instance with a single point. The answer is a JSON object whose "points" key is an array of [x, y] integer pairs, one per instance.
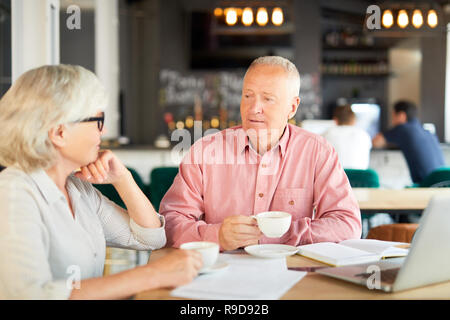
{"points": [[208, 250], [273, 224]]}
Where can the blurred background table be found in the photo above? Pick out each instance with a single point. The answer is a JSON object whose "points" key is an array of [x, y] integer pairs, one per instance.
{"points": [[402, 201]]}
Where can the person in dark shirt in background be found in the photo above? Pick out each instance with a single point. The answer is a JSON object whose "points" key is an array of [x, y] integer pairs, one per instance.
{"points": [[420, 148]]}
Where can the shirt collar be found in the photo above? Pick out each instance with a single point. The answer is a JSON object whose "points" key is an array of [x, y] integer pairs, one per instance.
{"points": [[72, 189], [48, 188], [281, 144]]}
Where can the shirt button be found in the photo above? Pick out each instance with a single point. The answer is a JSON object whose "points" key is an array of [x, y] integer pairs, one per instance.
{"points": [[261, 195], [264, 165], [291, 202]]}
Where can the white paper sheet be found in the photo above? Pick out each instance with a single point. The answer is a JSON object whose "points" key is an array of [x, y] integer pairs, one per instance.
{"points": [[247, 277]]}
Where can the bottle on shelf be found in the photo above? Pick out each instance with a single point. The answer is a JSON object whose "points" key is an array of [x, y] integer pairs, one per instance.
{"points": [[198, 108], [223, 116]]}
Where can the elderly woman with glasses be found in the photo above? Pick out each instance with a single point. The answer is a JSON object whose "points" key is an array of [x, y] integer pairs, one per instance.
{"points": [[54, 225]]}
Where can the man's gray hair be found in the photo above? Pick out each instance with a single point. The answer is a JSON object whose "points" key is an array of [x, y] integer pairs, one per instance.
{"points": [[287, 65]]}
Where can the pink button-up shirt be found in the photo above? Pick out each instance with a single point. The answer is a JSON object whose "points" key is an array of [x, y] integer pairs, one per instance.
{"points": [[222, 175]]}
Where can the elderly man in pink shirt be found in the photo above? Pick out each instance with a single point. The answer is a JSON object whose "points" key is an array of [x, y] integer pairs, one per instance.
{"points": [[264, 165]]}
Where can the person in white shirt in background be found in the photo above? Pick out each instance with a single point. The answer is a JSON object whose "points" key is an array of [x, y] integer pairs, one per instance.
{"points": [[351, 143], [353, 146], [54, 225]]}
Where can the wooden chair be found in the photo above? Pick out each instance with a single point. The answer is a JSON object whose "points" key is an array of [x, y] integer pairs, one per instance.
{"points": [[402, 232]]}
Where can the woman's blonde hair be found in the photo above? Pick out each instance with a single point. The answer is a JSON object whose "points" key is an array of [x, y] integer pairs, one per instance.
{"points": [[38, 101]]}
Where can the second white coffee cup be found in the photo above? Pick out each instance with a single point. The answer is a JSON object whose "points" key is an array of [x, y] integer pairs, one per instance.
{"points": [[208, 250], [273, 224]]}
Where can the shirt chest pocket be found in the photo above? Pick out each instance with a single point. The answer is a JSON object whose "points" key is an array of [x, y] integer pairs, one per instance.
{"points": [[296, 201]]}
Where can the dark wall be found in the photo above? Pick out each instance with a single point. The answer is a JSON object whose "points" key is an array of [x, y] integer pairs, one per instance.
{"points": [[174, 33], [153, 36], [307, 46], [432, 107], [308, 56], [78, 45], [140, 62]]}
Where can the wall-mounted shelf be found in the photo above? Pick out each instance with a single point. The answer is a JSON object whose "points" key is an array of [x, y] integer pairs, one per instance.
{"points": [[287, 28], [215, 45], [355, 75], [355, 48]]}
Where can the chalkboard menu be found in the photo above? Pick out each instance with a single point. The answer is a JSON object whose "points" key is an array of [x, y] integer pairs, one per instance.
{"points": [[310, 97], [214, 99], [211, 97]]}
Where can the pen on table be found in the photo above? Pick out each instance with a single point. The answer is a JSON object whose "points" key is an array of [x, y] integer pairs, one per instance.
{"points": [[306, 269]]}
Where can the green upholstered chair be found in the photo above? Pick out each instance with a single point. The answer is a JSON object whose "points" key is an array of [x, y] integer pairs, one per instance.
{"points": [[110, 192], [439, 178], [366, 179], [363, 178], [160, 181]]}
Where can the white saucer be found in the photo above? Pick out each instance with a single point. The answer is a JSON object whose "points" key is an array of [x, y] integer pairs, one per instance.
{"points": [[219, 266], [271, 250]]}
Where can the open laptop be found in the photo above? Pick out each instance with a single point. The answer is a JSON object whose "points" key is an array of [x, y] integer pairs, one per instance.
{"points": [[428, 260]]}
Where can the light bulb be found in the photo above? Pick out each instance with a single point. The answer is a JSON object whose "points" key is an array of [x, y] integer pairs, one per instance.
{"points": [[218, 12], [189, 122], [432, 18], [215, 122], [388, 19], [262, 17], [417, 19], [277, 16], [247, 16], [179, 125], [231, 17], [402, 19]]}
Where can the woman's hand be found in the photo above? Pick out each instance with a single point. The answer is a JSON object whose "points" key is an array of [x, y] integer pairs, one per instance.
{"points": [[109, 169], [176, 268], [106, 169]]}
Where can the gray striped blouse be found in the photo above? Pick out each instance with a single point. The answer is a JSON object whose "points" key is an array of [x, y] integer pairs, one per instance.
{"points": [[44, 250]]}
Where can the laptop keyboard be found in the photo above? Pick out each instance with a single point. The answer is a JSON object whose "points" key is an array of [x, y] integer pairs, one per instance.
{"points": [[386, 276]]}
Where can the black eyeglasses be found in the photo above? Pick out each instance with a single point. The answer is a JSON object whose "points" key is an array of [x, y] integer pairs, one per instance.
{"points": [[100, 121]]}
